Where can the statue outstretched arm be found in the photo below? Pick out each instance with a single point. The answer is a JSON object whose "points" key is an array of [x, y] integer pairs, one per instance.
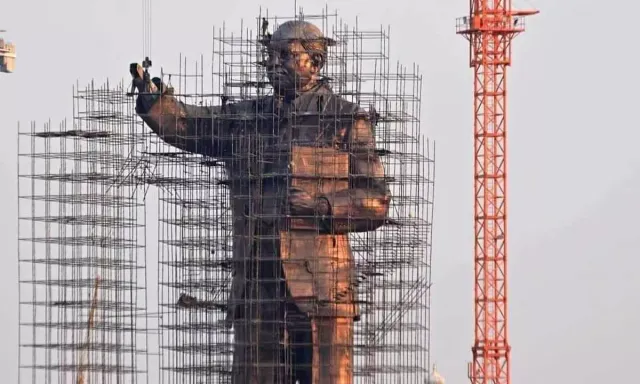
{"points": [[192, 128], [364, 206]]}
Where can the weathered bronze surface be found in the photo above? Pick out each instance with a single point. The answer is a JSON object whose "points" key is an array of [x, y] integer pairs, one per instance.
{"points": [[303, 173]]}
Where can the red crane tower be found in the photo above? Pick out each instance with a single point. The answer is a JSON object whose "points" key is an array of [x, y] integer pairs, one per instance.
{"points": [[490, 27]]}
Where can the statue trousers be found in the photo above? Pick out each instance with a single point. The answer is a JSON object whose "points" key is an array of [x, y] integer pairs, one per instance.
{"points": [[275, 343]]}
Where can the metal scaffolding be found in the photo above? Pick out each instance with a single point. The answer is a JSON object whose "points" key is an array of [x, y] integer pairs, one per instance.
{"points": [[82, 246], [88, 218]]}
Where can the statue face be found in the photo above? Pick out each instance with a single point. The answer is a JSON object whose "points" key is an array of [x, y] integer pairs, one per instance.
{"points": [[290, 67]]}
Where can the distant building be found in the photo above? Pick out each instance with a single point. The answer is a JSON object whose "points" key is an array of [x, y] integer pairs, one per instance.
{"points": [[435, 377], [7, 57]]}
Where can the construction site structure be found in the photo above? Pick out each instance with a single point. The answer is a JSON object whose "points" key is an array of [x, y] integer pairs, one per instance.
{"points": [[102, 195], [81, 215], [7, 55], [490, 28]]}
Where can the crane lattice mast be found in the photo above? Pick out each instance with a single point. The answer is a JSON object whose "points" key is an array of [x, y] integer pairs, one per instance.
{"points": [[490, 28]]}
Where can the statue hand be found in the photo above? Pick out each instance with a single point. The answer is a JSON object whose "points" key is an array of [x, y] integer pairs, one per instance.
{"points": [[303, 204], [138, 77], [142, 81]]}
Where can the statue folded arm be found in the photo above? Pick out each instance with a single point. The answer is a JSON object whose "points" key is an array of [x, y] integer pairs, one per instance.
{"points": [[192, 128], [364, 206]]}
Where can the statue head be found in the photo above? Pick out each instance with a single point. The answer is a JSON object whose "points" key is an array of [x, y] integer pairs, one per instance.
{"points": [[297, 52]]}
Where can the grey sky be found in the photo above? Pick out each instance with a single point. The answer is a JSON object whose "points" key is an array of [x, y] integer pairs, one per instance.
{"points": [[574, 169]]}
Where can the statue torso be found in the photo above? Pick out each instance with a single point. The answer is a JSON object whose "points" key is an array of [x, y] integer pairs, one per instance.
{"points": [[259, 152]]}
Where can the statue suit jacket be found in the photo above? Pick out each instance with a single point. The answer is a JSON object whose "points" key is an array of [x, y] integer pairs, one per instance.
{"points": [[318, 265]]}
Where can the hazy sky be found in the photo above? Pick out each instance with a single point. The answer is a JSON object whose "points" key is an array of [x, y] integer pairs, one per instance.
{"points": [[574, 171]]}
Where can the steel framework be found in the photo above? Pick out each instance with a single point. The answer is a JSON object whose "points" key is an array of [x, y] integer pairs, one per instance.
{"points": [[82, 246], [195, 233], [490, 29], [97, 196]]}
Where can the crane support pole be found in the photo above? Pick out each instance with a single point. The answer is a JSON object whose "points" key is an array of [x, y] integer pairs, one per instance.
{"points": [[84, 357], [490, 29]]}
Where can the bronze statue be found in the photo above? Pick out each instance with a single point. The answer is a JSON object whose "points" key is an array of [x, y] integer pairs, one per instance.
{"points": [[303, 173]]}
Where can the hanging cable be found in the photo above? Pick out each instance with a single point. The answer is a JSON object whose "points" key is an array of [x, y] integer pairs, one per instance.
{"points": [[142, 71], [146, 28]]}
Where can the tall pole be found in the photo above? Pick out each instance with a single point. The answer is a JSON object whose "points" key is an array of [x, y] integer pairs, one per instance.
{"points": [[490, 27]]}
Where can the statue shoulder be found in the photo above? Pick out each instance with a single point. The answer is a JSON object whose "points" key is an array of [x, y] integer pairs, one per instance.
{"points": [[361, 123], [346, 107]]}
